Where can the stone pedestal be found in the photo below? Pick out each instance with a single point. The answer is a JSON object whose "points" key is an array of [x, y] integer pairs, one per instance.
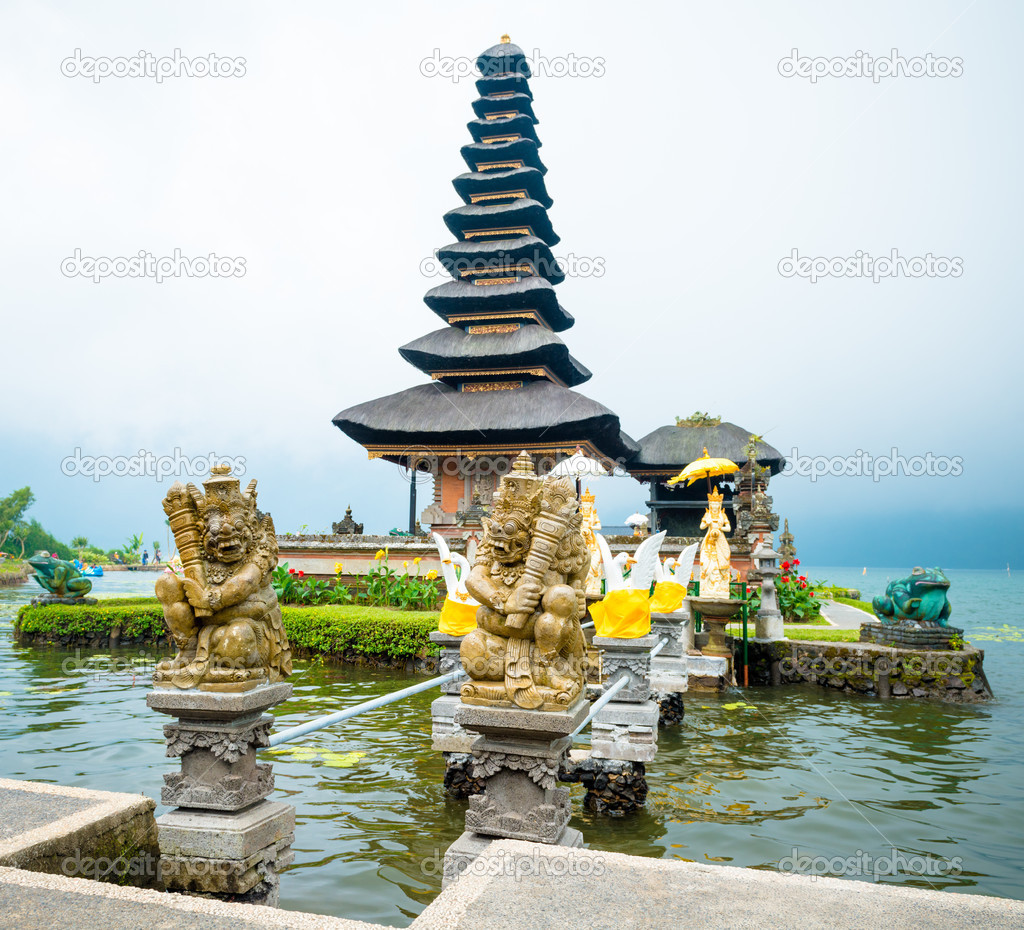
{"points": [[449, 659], [446, 734], [224, 837], [907, 634], [518, 754], [632, 658], [768, 625], [624, 734], [678, 627]]}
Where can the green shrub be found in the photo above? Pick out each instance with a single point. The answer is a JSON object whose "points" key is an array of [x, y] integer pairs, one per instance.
{"points": [[327, 630]]}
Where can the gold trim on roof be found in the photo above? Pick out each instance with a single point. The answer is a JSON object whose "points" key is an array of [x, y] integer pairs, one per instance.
{"points": [[486, 281], [503, 114], [521, 268], [502, 232], [497, 195], [504, 315], [472, 451], [478, 387], [541, 371], [501, 95], [493, 165], [492, 140], [493, 328]]}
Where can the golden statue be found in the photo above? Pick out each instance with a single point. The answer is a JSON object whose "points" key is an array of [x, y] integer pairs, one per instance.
{"points": [[529, 575], [715, 569], [223, 613], [590, 526]]}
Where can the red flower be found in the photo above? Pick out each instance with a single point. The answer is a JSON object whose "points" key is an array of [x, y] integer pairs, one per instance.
{"points": [[291, 571], [796, 561], [802, 586], [803, 577], [785, 578], [811, 593], [785, 564], [301, 573]]}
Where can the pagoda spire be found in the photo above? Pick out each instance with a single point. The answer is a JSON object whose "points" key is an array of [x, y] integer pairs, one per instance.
{"points": [[500, 374]]}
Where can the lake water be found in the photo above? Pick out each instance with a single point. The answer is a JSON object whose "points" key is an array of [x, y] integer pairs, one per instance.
{"points": [[753, 778]]}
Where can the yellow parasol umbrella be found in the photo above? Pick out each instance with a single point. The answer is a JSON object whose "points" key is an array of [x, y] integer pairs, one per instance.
{"points": [[705, 467]]}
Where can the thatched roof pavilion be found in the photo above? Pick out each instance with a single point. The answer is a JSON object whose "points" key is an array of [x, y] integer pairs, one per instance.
{"points": [[668, 449]]}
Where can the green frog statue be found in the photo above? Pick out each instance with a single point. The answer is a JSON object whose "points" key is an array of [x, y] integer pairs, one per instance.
{"points": [[61, 579], [920, 598]]}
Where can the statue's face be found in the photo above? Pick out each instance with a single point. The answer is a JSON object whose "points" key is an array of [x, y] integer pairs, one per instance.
{"points": [[228, 535], [510, 539]]}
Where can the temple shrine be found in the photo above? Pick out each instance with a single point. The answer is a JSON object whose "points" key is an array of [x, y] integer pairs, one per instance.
{"points": [[501, 377]]}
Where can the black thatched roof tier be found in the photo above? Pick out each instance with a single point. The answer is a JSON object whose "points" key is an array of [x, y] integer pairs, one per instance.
{"points": [[504, 84], [482, 183], [454, 350], [503, 58], [460, 301], [523, 217], [490, 131], [520, 103], [668, 449], [466, 259], [540, 416], [502, 156]]}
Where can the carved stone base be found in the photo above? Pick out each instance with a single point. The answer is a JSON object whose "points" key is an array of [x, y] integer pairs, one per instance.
{"points": [[202, 852], [469, 854], [629, 657], [678, 627], [519, 758], [493, 694], [769, 625]]}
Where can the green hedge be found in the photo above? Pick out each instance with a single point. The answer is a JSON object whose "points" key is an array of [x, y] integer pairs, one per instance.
{"points": [[327, 630]]}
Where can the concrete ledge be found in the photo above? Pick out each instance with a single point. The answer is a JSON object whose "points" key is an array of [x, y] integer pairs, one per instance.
{"points": [[43, 826], [515, 885], [30, 901]]}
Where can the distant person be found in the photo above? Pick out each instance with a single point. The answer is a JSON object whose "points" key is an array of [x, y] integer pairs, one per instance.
{"points": [[156, 557], [145, 557]]}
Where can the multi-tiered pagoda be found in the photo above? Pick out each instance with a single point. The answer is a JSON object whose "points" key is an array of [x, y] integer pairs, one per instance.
{"points": [[501, 377]]}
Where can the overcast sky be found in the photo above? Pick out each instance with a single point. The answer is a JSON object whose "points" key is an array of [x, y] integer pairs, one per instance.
{"points": [[684, 161]]}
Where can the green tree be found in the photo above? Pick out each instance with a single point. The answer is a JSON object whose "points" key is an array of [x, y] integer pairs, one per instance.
{"points": [[80, 542], [132, 549], [12, 509]]}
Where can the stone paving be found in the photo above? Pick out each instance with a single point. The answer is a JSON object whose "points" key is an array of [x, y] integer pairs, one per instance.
{"points": [[843, 616]]}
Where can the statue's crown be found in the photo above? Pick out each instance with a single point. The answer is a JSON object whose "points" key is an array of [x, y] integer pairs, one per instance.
{"points": [[715, 496], [588, 496], [222, 489]]}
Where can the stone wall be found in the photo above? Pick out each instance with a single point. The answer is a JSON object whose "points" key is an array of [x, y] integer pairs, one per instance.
{"points": [[954, 676]]}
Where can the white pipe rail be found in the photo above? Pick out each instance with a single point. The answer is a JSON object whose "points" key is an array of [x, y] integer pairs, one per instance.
{"points": [[320, 722]]}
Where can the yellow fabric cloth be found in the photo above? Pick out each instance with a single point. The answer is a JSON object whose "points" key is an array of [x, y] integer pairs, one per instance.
{"points": [[625, 613], [457, 619], [668, 596]]}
